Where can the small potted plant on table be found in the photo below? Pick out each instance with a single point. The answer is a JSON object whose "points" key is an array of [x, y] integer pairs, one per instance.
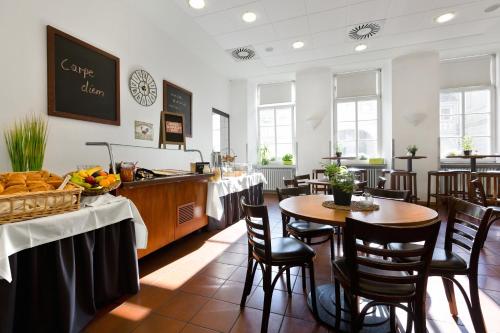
{"points": [[338, 150], [342, 182], [412, 150], [287, 159], [467, 145]]}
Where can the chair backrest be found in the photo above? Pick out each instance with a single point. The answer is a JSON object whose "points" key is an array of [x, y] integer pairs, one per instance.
{"points": [[476, 193], [467, 228], [381, 182], [258, 231], [301, 179], [359, 174], [362, 255], [289, 182], [400, 195], [288, 192], [318, 172], [491, 184]]}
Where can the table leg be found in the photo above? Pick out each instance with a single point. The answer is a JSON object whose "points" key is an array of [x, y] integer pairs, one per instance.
{"points": [[472, 164], [338, 162], [376, 320], [409, 164]]}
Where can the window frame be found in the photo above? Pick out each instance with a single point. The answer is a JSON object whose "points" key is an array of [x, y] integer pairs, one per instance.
{"points": [[356, 100], [225, 115], [493, 120], [290, 105]]}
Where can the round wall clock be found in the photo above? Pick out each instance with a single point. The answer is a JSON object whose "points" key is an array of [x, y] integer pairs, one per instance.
{"points": [[143, 87]]}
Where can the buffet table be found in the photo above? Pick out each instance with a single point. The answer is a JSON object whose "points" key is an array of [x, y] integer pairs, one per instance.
{"points": [[223, 198], [57, 271]]}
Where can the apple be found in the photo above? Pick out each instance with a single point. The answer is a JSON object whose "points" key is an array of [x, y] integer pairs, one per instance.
{"points": [[90, 180]]}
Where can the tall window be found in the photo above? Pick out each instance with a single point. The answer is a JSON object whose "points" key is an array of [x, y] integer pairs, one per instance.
{"points": [[466, 113], [276, 118], [220, 132], [356, 116], [466, 108]]}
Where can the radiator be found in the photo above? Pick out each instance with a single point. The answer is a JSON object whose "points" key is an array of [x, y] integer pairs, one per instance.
{"points": [[373, 171], [274, 176]]}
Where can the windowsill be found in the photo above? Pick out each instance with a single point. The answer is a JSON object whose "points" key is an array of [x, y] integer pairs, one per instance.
{"points": [[275, 165]]}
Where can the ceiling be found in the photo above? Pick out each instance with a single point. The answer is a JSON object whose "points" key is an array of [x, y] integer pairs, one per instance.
{"points": [[323, 25]]}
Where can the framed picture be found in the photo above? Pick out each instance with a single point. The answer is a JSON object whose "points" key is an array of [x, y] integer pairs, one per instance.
{"points": [[179, 100], [83, 81], [143, 131], [171, 129]]}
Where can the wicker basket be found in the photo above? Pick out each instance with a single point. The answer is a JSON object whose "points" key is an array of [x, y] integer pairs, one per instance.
{"points": [[26, 206]]}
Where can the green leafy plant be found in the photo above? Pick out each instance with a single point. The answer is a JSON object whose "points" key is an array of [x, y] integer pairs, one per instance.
{"points": [[287, 157], [412, 149], [467, 143], [26, 142], [338, 148], [343, 180], [263, 153]]}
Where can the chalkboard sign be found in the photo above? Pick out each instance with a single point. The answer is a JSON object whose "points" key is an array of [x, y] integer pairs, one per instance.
{"points": [[83, 81], [171, 128], [179, 100]]}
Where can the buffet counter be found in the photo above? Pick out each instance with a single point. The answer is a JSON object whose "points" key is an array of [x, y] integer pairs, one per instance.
{"points": [[223, 198]]}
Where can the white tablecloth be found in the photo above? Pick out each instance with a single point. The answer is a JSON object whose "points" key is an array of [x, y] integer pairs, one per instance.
{"points": [[96, 212], [226, 186]]}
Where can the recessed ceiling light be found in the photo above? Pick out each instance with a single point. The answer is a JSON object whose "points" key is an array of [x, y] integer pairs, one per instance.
{"points": [[360, 47], [492, 8], [445, 18], [298, 44], [249, 17], [197, 4]]}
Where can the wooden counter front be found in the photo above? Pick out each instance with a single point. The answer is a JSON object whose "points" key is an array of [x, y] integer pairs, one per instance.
{"points": [[171, 207]]}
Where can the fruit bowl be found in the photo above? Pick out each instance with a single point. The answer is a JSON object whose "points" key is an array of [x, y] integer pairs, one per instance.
{"points": [[95, 181]]}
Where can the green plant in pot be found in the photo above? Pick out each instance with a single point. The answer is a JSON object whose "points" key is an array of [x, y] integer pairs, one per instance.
{"points": [[263, 153], [26, 142], [338, 150], [467, 145], [342, 182], [412, 150], [287, 159]]}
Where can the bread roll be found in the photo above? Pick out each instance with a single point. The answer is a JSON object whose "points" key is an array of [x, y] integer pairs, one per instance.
{"points": [[11, 183], [15, 189], [2, 188], [16, 177]]}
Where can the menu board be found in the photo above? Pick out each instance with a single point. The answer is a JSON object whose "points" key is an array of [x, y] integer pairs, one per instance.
{"points": [[171, 128], [178, 100], [83, 81]]}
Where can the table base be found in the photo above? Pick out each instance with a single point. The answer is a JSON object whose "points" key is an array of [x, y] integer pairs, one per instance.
{"points": [[377, 320]]}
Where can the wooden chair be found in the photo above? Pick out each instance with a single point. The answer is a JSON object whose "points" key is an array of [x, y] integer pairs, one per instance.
{"points": [[445, 185], [306, 231], [377, 274], [284, 252], [399, 195], [318, 174], [477, 195], [491, 185], [359, 174], [405, 180], [381, 182], [466, 229], [289, 182], [300, 180]]}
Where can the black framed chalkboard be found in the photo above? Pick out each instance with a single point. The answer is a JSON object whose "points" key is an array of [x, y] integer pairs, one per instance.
{"points": [[171, 129], [83, 81], [179, 100]]}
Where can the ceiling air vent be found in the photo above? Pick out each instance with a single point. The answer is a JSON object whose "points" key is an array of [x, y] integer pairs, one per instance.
{"points": [[243, 53], [364, 30]]}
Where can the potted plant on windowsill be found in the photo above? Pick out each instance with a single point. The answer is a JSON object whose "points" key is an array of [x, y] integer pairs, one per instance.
{"points": [[411, 150], [338, 150], [263, 153], [467, 145], [342, 182], [287, 159]]}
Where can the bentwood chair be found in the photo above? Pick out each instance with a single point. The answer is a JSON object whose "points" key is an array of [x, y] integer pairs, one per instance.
{"points": [[301, 180], [377, 274], [307, 232], [399, 195], [289, 182], [477, 195], [284, 252], [466, 229]]}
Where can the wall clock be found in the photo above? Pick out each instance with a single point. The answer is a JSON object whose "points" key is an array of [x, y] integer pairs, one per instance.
{"points": [[143, 87]]}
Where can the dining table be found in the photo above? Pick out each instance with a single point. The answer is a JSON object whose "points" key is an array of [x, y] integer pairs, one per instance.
{"points": [[473, 159], [409, 160], [390, 212]]}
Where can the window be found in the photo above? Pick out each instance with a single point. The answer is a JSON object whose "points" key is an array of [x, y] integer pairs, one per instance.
{"points": [[356, 116], [276, 121], [466, 112], [220, 131]]}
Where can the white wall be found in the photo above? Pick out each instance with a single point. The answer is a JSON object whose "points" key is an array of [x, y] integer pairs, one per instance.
{"points": [[118, 28], [314, 93], [415, 90], [238, 106]]}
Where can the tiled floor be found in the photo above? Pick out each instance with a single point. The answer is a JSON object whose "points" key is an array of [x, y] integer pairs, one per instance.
{"points": [[195, 285]]}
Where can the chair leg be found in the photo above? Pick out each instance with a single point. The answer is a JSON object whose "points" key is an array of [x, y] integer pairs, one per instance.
{"points": [[332, 248], [288, 282], [419, 315], [392, 316], [354, 306], [304, 283], [338, 309], [476, 312], [248, 282], [268, 296], [450, 296], [312, 286], [338, 237], [409, 317]]}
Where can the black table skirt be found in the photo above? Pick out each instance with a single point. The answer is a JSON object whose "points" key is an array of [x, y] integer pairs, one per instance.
{"points": [[232, 208], [59, 286]]}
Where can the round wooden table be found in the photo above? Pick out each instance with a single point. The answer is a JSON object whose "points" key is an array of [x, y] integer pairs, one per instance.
{"points": [[390, 212]]}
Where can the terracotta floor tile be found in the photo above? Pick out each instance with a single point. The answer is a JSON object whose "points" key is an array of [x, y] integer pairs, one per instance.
{"points": [[240, 274], [217, 315], [278, 302], [250, 321], [297, 308], [203, 285], [124, 318], [231, 291], [183, 306], [219, 270], [157, 323], [294, 325], [281, 284], [238, 248], [151, 296], [232, 258], [190, 328]]}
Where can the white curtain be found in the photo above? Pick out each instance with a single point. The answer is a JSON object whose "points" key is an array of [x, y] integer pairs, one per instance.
{"points": [[274, 93], [467, 72], [357, 84]]}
